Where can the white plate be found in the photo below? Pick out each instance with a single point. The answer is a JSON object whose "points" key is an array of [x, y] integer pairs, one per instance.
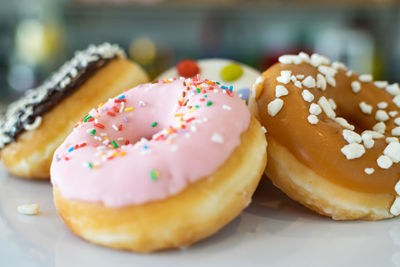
{"points": [[272, 231]]}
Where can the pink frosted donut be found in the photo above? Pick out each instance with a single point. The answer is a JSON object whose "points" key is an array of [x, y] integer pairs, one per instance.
{"points": [[150, 146]]}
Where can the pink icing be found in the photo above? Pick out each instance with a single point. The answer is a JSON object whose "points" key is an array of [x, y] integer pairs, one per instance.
{"points": [[187, 143]]}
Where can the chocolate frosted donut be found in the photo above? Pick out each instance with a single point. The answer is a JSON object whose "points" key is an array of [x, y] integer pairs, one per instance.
{"points": [[91, 76]]}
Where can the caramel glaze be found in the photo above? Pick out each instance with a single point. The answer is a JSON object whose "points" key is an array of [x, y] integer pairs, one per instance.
{"points": [[318, 146]]}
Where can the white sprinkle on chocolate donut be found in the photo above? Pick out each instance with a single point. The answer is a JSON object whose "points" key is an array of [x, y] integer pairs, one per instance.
{"points": [[356, 86], [369, 170], [365, 108], [353, 150], [326, 107], [321, 82], [312, 119], [384, 162], [309, 82], [307, 95], [315, 109], [365, 78], [275, 106], [351, 136], [281, 90]]}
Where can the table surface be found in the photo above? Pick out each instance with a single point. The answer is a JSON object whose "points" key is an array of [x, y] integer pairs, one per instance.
{"points": [[272, 231]]}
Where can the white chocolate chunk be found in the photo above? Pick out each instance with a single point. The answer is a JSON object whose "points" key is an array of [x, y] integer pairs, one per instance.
{"points": [[300, 76], [381, 115], [396, 131], [396, 100], [356, 86], [393, 89], [343, 122], [349, 73], [338, 65], [304, 57], [392, 150], [332, 103], [384, 162], [317, 60], [321, 82], [298, 84], [315, 109], [381, 84], [281, 90], [327, 71], [369, 170], [330, 80], [397, 187], [326, 107], [290, 59], [367, 140], [389, 140], [397, 121], [307, 95], [312, 119], [395, 208], [351, 136], [375, 135], [309, 82], [380, 127], [365, 78], [353, 151], [285, 77], [28, 209], [382, 105], [393, 113], [275, 106], [365, 108]]}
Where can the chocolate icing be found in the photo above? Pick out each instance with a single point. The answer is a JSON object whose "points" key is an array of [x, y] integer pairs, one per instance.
{"points": [[25, 113]]}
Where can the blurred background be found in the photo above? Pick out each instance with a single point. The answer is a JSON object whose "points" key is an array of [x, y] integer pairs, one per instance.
{"points": [[37, 36]]}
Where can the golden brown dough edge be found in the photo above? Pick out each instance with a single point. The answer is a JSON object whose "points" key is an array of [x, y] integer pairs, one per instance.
{"points": [[178, 221], [31, 155], [302, 184]]}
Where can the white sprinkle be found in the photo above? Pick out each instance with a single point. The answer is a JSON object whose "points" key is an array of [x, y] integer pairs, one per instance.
{"points": [[382, 105], [321, 82], [120, 139], [369, 170], [275, 106], [393, 113], [103, 134], [365, 78], [338, 65], [304, 57], [395, 208], [397, 187], [300, 76], [298, 84], [115, 127], [356, 86], [217, 138], [353, 151], [285, 77], [351, 136], [330, 80], [326, 107], [392, 150], [307, 95], [380, 127], [315, 109], [317, 60], [384, 162], [381, 84], [263, 129], [281, 90], [349, 73], [397, 121], [381, 115], [226, 107], [332, 103], [290, 59], [365, 108], [343, 122], [312, 119], [396, 100], [28, 209], [309, 82], [293, 78], [367, 140], [374, 134], [141, 103], [327, 71], [393, 89], [391, 139]]}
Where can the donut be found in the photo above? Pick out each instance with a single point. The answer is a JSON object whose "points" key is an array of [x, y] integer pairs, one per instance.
{"points": [[36, 124], [332, 136], [160, 166], [230, 72]]}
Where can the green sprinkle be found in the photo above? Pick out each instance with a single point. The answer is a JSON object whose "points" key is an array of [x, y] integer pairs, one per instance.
{"points": [[198, 90], [115, 144], [209, 103], [197, 106], [154, 124], [153, 175], [205, 96], [93, 132], [90, 165], [217, 82]]}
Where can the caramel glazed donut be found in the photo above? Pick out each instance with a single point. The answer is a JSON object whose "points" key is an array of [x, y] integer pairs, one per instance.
{"points": [[332, 137], [35, 125], [160, 166]]}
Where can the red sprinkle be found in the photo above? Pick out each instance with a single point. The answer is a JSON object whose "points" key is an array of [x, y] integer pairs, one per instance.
{"points": [[119, 100], [187, 68], [189, 120], [111, 114], [66, 158], [82, 145], [127, 142], [99, 125], [120, 127], [115, 109]]}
